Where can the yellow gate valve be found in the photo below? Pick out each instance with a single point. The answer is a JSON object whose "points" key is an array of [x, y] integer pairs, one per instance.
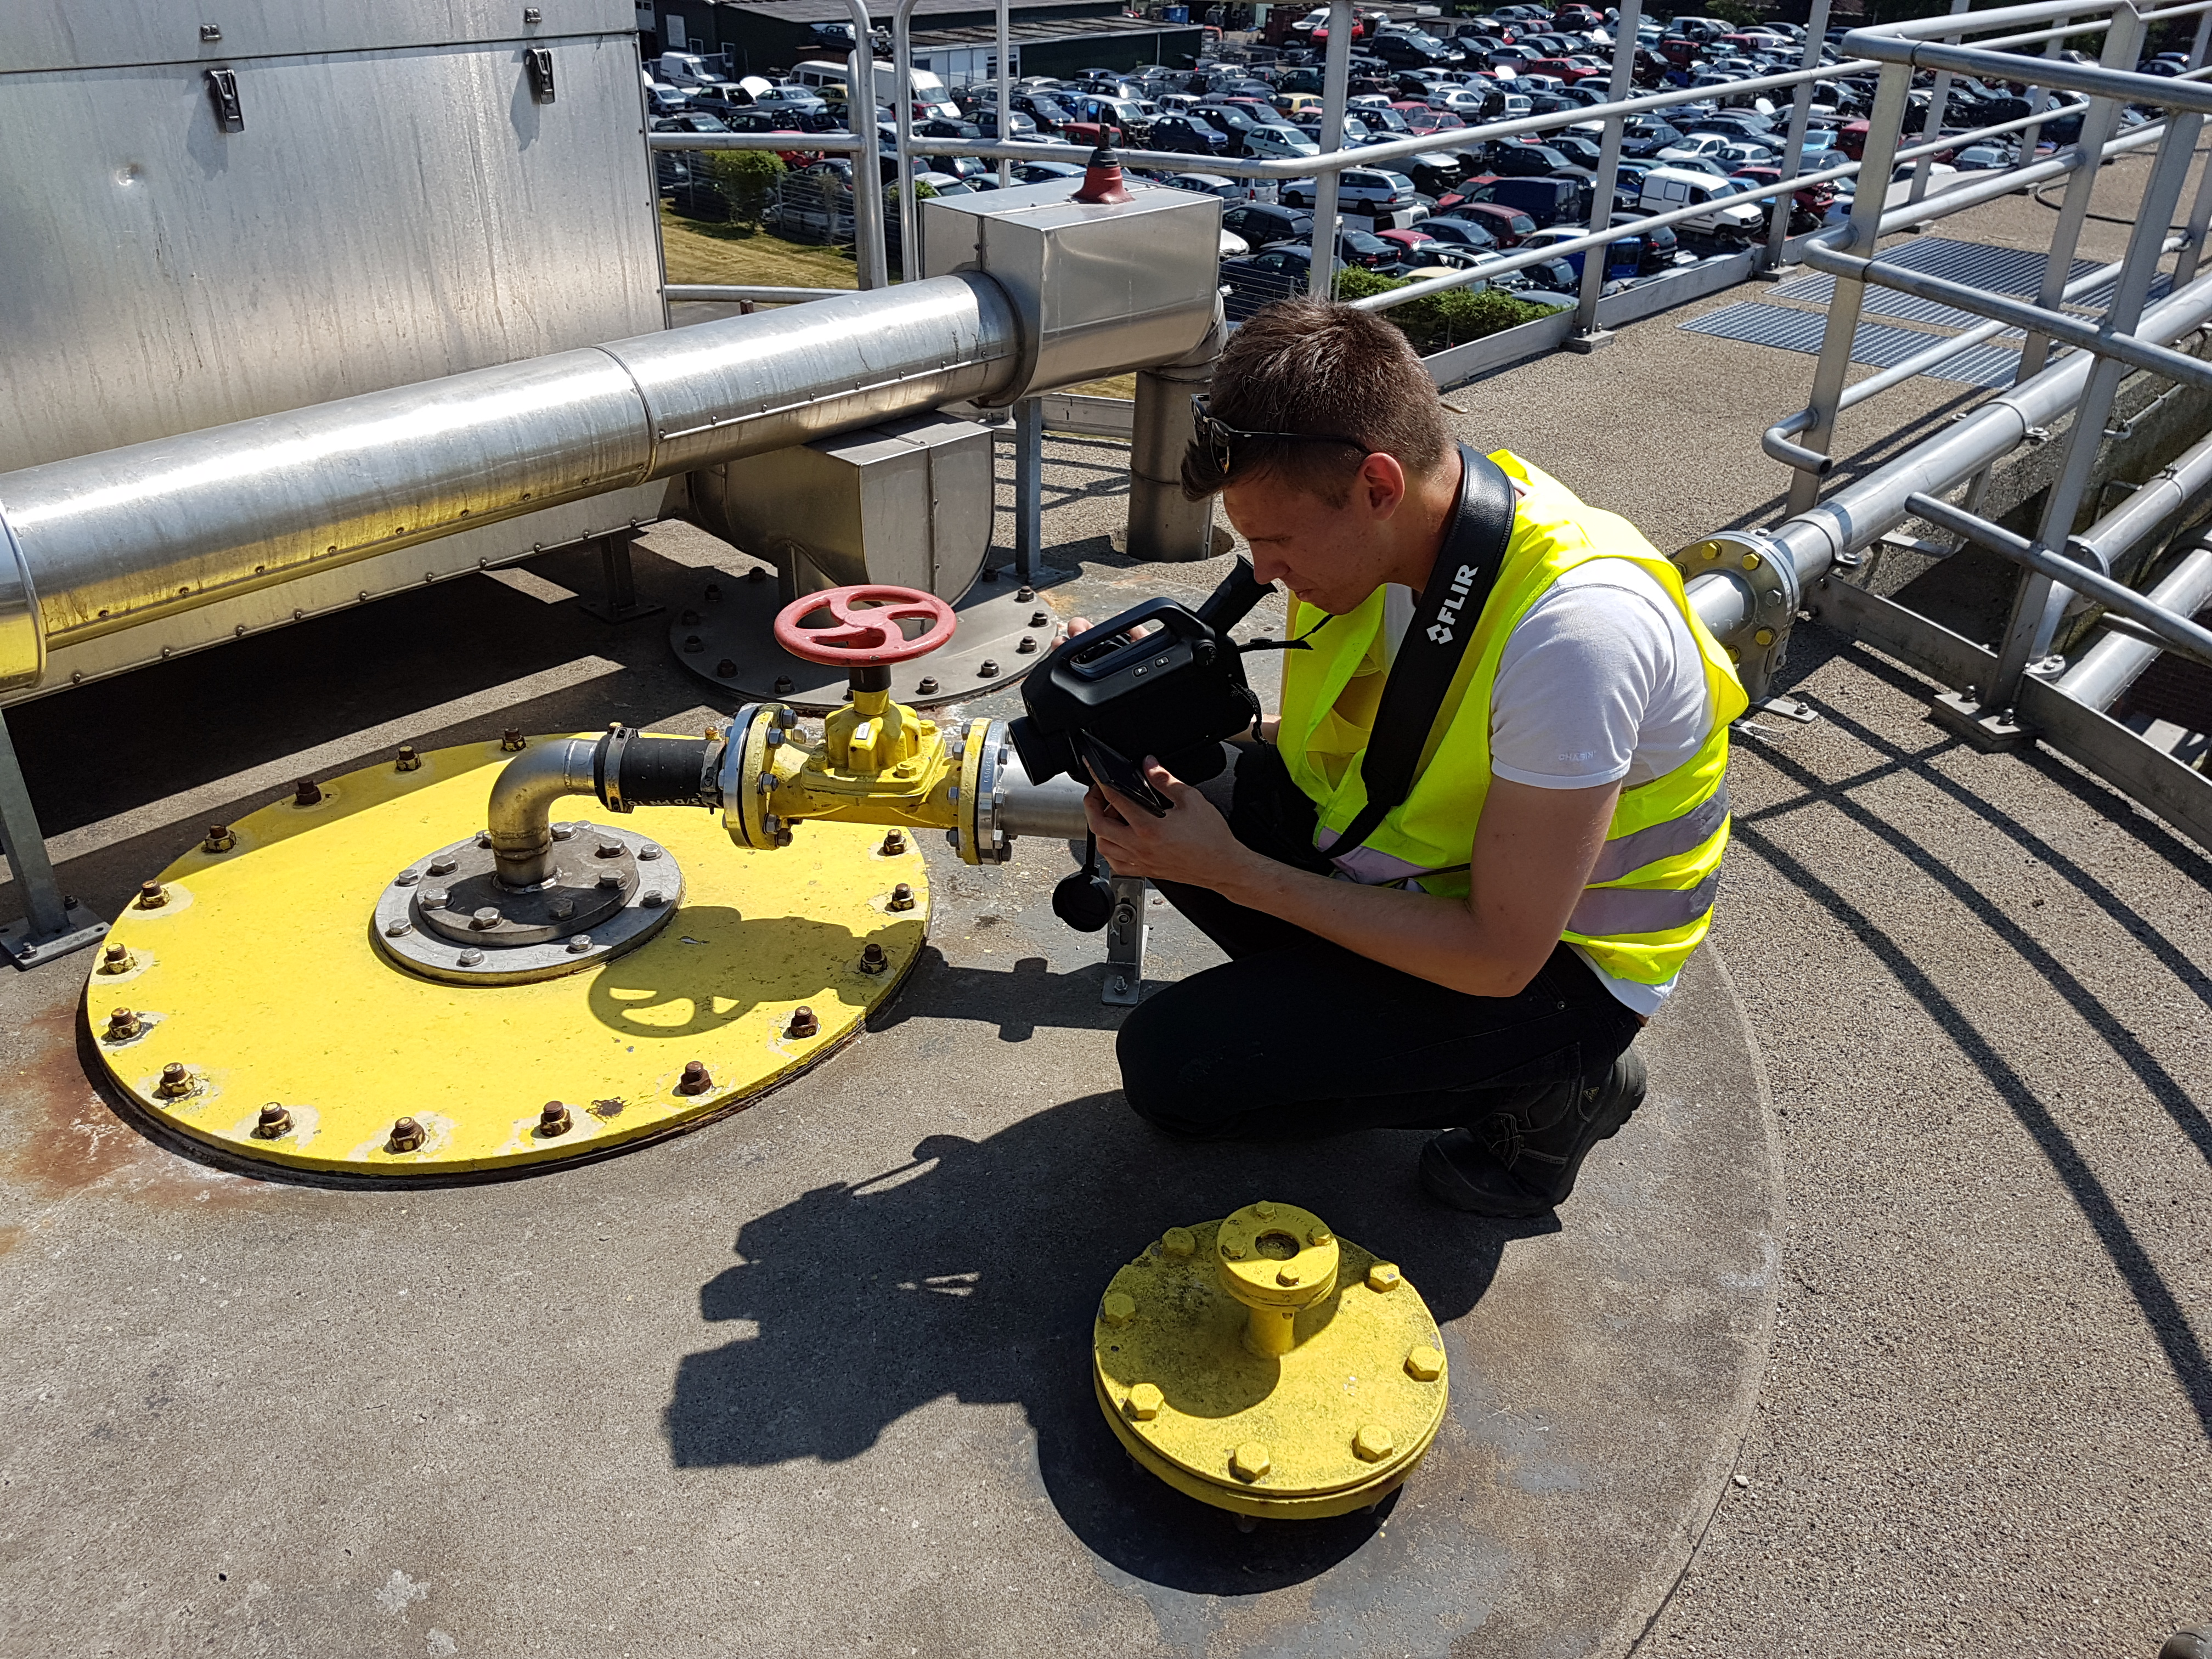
{"points": [[1266, 1366]]}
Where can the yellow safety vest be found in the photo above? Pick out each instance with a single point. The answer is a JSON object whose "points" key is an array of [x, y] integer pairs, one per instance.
{"points": [[1650, 898]]}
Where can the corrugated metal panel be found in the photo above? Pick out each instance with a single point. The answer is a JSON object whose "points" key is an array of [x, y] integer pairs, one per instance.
{"points": [[1877, 345]]}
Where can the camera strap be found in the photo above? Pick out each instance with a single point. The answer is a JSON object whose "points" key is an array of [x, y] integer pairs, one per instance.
{"points": [[1429, 657]]}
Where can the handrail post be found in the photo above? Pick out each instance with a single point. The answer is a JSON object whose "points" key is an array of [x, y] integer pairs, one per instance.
{"points": [[1800, 115], [870, 259], [1321, 267], [1939, 100], [1588, 336]]}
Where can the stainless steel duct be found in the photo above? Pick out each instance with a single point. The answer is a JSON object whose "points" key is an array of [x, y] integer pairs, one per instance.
{"points": [[103, 542], [1163, 525]]}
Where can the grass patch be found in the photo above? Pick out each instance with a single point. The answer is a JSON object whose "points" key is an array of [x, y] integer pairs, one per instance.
{"points": [[698, 251]]}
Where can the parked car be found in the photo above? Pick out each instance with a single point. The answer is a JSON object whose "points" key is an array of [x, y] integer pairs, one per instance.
{"points": [[1666, 189], [1506, 225], [1263, 222], [1465, 234], [1368, 190], [1509, 158], [1041, 173], [1277, 143], [1545, 201], [1186, 135]]}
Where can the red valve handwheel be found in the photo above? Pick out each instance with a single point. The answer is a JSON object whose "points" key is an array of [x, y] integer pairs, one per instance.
{"points": [[863, 638]]}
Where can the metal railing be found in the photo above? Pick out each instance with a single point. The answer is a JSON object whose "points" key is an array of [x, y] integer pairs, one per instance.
{"points": [[2023, 687]]}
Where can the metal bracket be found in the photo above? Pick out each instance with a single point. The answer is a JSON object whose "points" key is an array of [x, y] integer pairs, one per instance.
{"points": [[222, 93], [1125, 934], [26, 948], [1770, 583], [620, 603], [1992, 730], [538, 61], [1789, 708]]}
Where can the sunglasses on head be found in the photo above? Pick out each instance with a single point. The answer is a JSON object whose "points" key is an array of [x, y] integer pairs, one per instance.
{"points": [[1220, 440]]}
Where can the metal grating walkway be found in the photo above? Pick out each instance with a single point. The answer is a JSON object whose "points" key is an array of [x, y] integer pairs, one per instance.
{"points": [[2002, 269], [1876, 344]]}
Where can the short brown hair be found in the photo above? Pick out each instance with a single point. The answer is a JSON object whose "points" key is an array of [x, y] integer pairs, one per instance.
{"points": [[1308, 366]]}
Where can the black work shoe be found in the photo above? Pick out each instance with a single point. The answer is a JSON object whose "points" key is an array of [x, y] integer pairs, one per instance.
{"points": [[1521, 1159]]}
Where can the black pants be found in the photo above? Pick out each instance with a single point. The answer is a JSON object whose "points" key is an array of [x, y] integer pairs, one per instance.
{"points": [[1296, 1037]]}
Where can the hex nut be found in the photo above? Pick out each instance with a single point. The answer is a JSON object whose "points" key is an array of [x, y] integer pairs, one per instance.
{"points": [[398, 927], [579, 942], [486, 919], [987, 669], [274, 1121], [512, 741], [1287, 1275], [471, 958], [872, 960], [1318, 1237], [553, 1119], [1144, 1401], [648, 852], [693, 642], [1024, 594], [1026, 645], [1179, 1241], [1373, 1443], [219, 839], [928, 688], [783, 686], [609, 878], [803, 1023], [1250, 1461], [1233, 1252], [1040, 619], [408, 761], [434, 898], [444, 865], [894, 844], [406, 1135], [176, 1082], [713, 594], [152, 896], [757, 573], [902, 897], [726, 670], [564, 832], [1118, 1308], [697, 1078], [651, 898], [307, 793], [1264, 1210], [1384, 1276], [1425, 1364], [122, 1025], [117, 959]]}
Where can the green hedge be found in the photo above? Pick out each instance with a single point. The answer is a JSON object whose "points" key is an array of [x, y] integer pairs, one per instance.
{"points": [[748, 179], [1438, 320]]}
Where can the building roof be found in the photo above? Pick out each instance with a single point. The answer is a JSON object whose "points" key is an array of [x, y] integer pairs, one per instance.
{"points": [[836, 11]]}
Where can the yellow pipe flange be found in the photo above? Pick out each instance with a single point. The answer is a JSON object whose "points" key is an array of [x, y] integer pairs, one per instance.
{"points": [[255, 978], [1263, 1366]]}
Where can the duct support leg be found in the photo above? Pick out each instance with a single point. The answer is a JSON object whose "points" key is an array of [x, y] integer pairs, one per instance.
{"points": [[1125, 934], [619, 601], [53, 923], [1165, 526], [1029, 488]]}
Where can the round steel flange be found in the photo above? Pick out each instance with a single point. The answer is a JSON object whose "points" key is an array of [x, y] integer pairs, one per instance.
{"points": [[1262, 1365], [1768, 577], [254, 984], [449, 917]]}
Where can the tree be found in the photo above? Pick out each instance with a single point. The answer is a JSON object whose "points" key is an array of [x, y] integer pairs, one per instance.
{"points": [[749, 178]]}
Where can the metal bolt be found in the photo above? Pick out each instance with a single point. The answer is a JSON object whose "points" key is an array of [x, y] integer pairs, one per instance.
{"points": [[408, 761], [407, 878], [1144, 1401], [652, 900], [1764, 636], [648, 851], [1425, 1365], [1118, 1307], [1287, 1275], [726, 670], [773, 738], [609, 849], [803, 1023], [787, 718], [512, 740], [697, 1078], [1025, 593], [579, 942], [472, 959], [1317, 1236], [175, 1081], [152, 896], [1178, 1241], [872, 960], [693, 642], [399, 928], [783, 686], [274, 1121], [1250, 1461], [1384, 1276], [765, 783], [690, 618], [988, 668], [553, 1119], [1040, 619], [1028, 644], [1233, 1252], [444, 865], [564, 832], [219, 839], [210, 32], [902, 897], [895, 843], [305, 793], [757, 573], [530, 15], [928, 688], [483, 839], [122, 1025], [485, 919], [434, 898], [1264, 1210], [1373, 1443], [713, 594], [406, 1135], [117, 959]]}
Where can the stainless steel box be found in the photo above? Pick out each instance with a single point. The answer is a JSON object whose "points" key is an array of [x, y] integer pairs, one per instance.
{"points": [[1098, 290], [909, 502]]}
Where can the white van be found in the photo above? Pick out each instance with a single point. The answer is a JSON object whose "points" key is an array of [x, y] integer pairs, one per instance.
{"points": [[688, 69], [1666, 189], [818, 72]]}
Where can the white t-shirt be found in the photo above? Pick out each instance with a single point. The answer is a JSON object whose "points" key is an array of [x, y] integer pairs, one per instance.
{"points": [[1600, 683]]}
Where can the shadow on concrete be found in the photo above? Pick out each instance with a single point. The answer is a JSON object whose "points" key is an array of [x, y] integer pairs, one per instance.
{"points": [[1017, 1000], [973, 1272]]}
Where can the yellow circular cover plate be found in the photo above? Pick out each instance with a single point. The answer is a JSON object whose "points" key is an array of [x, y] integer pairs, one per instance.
{"points": [[1333, 1424], [258, 975]]}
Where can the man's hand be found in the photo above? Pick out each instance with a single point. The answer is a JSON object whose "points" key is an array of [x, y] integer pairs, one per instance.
{"points": [[1192, 844]]}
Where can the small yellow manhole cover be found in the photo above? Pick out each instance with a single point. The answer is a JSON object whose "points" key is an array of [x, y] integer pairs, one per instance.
{"points": [[1262, 1364]]}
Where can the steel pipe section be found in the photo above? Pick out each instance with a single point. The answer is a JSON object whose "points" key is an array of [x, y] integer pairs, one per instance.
{"points": [[1164, 526], [2115, 662], [102, 543], [520, 816]]}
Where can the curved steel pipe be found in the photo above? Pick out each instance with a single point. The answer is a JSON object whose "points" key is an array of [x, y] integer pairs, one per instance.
{"points": [[521, 815], [104, 542]]}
